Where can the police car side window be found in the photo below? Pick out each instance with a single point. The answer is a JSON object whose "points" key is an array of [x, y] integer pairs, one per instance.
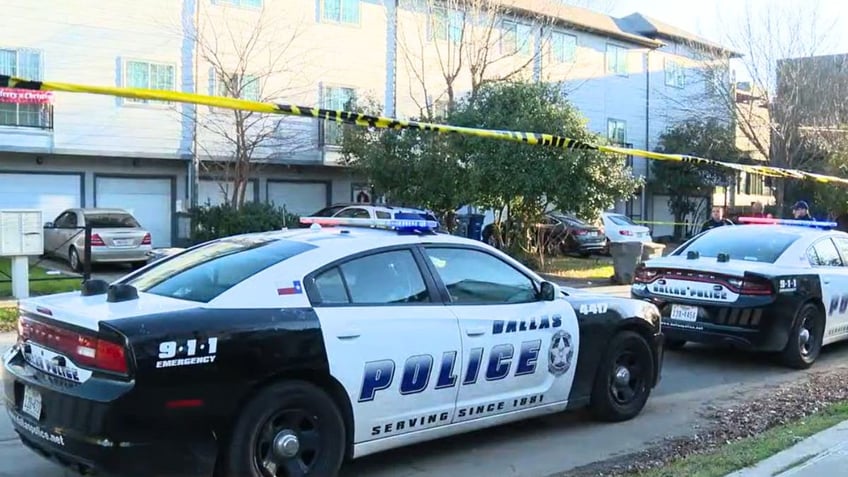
{"points": [[824, 254], [475, 277], [381, 279], [842, 244], [354, 212]]}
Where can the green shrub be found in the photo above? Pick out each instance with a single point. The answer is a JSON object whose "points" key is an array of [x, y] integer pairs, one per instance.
{"points": [[210, 222]]}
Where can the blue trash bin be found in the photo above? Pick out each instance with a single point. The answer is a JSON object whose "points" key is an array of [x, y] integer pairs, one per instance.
{"points": [[475, 226]]}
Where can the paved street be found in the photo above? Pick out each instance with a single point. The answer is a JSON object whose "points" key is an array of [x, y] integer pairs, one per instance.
{"points": [[692, 380]]}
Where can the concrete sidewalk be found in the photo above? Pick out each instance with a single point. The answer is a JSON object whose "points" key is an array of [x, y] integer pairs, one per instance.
{"points": [[825, 453]]}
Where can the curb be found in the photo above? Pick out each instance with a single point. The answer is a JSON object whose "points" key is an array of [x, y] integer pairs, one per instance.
{"points": [[824, 449]]}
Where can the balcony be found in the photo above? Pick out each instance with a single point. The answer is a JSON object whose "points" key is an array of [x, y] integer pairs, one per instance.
{"points": [[29, 116]]}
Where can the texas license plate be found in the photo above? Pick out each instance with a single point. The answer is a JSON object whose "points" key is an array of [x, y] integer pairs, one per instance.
{"points": [[32, 402], [684, 313], [122, 242]]}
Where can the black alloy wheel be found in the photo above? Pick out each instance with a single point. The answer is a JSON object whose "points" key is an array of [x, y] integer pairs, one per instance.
{"points": [[623, 380]]}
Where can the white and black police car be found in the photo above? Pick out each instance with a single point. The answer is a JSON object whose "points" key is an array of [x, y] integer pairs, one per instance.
{"points": [[283, 353], [771, 285]]}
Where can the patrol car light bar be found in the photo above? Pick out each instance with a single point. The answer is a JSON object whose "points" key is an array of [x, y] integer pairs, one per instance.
{"points": [[798, 223], [401, 222]]}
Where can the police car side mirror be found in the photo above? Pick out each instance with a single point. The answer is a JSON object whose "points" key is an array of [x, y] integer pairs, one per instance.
{"points": [[547, 291]]}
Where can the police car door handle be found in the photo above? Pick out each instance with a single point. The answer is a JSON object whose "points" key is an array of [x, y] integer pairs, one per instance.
{"points": [[478, 331], [348, 334]]}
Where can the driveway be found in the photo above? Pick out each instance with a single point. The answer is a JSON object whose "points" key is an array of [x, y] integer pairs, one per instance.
{"points": [[693, 380], [108, 272]]}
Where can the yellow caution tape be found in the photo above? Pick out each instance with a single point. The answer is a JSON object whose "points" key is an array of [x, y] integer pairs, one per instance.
{"points": [[366, 120]]}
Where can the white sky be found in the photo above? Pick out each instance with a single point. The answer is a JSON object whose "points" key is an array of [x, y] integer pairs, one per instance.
{"points": [[721, 20]]}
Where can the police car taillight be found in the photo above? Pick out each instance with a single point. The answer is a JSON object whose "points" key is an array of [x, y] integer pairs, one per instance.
{"points": [[750, 286], [84, 349], [645, 275]]}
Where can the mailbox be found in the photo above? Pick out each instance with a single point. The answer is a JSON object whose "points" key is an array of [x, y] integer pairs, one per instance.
{"points": [[21, 236]]}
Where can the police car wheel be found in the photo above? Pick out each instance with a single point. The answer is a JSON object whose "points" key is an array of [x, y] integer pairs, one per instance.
{"points": [[290, 429], [805, 339], [623, 380]]}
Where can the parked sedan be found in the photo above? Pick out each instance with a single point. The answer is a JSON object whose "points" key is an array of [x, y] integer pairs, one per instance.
{"points": [[579, 237], [621, 228], [116, 237]]}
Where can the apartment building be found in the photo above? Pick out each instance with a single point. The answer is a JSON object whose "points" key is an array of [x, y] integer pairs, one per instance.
{"points": [[630, 76]]}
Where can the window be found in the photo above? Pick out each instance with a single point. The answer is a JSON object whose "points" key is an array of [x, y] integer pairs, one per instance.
{"points": [[240, 3], [741, 242], [240, 86], [340, 11], [141, 74], [68, 220], [842, 244], [338, 99], [616, 60], [675, 74], [354, 213], [474, 277], [620, 219], [824, 254], [754, 183], [383, 215], [516, 39], [563, 47], [103, 220], [447, 24], [26, 64], [203, 273], [617, 131], [380, 279], [329, 211]]}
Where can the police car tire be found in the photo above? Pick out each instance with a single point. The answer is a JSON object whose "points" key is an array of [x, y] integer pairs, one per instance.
{"points": [[792, 355], [602, 405], [240, 452]]}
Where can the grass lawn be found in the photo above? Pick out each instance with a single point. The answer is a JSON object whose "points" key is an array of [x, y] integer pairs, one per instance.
{"points": [[8, 319], [747, 452], [576, 268], [57, 284]]}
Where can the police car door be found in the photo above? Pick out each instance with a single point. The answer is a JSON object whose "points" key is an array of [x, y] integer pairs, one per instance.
{"points": [[389, 340], [834, 275], [517, 349]]}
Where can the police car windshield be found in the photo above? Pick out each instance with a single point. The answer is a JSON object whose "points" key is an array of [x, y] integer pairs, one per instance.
{"points": [[743, 242], [201, 274]]}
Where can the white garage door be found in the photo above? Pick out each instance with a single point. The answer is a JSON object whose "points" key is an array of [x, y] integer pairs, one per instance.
{"points": [[148, 200], [48, 192], [301, 198], [219, 192]]}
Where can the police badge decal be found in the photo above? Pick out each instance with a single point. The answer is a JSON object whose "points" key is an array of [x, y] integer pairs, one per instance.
{"points": [[560, 354]]}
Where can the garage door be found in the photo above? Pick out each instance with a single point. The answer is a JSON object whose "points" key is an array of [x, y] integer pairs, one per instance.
{"points": [[219, 192], [47, 192], [301, 198], [148, 200]]}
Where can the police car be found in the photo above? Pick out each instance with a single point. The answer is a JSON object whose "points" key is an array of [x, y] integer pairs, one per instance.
{"points": [[283, 353], [770, 285]]}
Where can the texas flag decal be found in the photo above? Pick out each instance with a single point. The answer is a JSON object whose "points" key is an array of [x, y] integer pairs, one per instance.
{"points": [[295, 289]]}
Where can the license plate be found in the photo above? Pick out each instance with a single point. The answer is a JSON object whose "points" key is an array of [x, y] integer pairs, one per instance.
{"points": [[32, 402], [684, 313], [593, 234], [122, 242]]}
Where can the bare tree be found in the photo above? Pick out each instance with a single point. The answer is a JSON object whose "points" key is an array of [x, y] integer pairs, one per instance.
{"points": [[785, 107], [471, 42], [255, 57]]}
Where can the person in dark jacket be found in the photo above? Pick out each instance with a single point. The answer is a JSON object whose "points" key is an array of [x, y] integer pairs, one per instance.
{"points": [[716, 220], [801, 211]]}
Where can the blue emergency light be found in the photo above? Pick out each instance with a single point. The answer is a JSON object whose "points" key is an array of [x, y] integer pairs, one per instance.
{"points": [[402, 223], [792, 222]]}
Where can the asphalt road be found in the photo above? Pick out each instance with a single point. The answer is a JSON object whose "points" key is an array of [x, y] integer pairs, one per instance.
{"points": [[693, 379]]}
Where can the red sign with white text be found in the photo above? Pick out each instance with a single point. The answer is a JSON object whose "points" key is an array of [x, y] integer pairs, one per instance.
{"points": [[25, 96]]}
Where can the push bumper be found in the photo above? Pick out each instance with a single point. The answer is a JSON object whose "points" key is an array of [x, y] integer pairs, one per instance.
{"points": [[93, 437]]}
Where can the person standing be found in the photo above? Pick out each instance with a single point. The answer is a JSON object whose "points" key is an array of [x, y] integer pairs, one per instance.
{"points": [[716, 220], [801, 211]]}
